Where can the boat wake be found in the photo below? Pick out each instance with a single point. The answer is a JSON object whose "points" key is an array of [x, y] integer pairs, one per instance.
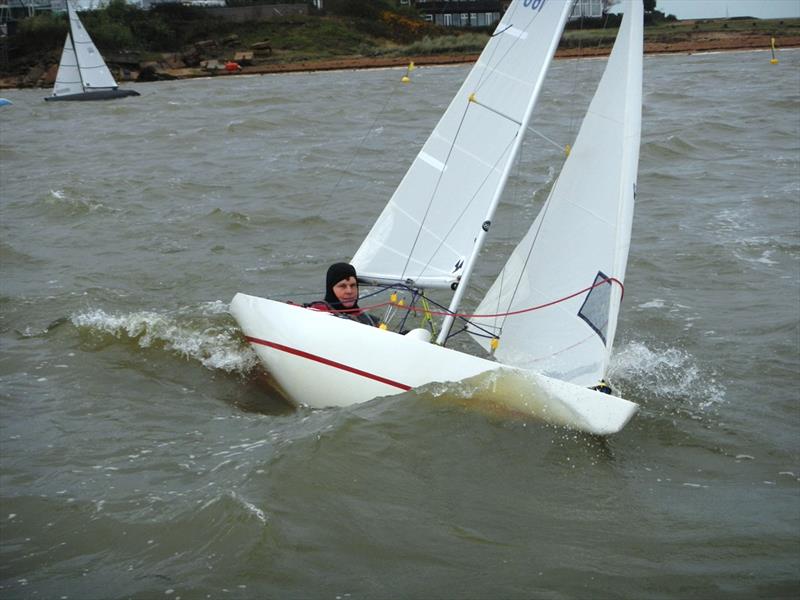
{"points": [[203, 333]]}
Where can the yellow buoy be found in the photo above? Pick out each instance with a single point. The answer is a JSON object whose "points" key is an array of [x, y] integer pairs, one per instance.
{"points": [[773, 61], [411, 67]]}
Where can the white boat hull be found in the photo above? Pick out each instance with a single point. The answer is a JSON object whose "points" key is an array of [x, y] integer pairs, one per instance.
{"points": [[321, 360]]}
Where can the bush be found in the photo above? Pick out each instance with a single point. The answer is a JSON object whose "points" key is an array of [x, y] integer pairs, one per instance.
{"points": [[468, 42], [44, 32], [110, 34], [361, 9]]}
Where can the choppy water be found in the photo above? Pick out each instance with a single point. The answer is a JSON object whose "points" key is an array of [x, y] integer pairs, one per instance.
{"points": [[143, 454]]}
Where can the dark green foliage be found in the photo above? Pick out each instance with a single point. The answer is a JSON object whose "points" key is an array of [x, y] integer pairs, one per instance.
{"points": [[259, 2], [382, 19], [608, 21], [173, 27], [41, 33], [362, 9]]}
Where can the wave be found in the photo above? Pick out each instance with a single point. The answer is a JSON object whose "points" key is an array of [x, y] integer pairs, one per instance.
{"points": [[198, 333], [74, 204], [11, 256]]}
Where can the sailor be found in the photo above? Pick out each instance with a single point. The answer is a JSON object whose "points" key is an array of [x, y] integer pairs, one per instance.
{"points": [[341, 294]]}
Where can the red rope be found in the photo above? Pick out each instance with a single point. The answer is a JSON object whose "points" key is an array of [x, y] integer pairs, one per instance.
{"points": [[440, 313]]}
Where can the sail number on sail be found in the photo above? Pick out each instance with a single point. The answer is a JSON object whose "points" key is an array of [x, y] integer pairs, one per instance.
{"points": [[534, 4]]}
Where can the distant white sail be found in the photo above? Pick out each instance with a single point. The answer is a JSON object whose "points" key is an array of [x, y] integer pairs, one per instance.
{"points": [[428, 229], [82, 68], [94, 72], [581, 236], [68, 78]]}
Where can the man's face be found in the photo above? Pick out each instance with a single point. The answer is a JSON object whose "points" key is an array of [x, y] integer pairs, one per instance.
{"points": [[347, 291]]}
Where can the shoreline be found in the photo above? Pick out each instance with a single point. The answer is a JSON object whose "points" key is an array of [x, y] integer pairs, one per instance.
{"points": [[714, 43], [718, 44]]}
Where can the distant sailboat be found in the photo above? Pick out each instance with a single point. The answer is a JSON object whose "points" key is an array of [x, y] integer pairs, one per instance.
{"points": [[82, 72]]}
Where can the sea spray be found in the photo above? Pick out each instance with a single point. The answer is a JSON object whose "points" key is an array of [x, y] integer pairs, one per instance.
{"points": [[668, 374], [215, 345]]}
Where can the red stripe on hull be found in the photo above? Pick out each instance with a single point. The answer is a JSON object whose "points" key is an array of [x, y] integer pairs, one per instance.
{"points": [[327, 362]]}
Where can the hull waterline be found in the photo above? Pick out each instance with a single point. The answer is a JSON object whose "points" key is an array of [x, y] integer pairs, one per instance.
{"points": [[89, 96]]}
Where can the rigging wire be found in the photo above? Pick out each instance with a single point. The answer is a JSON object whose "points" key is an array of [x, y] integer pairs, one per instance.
{"points": [[445, 312], [392, 93], [434, 192], [485, 74], [468, 204]]}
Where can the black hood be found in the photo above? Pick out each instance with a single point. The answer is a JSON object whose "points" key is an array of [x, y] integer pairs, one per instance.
{"points": [[336, 273]]}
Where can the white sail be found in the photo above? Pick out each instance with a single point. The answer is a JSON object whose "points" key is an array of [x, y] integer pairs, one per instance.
{"points": [[581, 236], [429, 228], [68, 78], [82, 68]]}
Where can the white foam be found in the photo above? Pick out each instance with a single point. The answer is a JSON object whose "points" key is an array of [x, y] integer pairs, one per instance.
{"points": [[60, 197], [251, 508], [667, 372], [654, 303], [215, 346]]}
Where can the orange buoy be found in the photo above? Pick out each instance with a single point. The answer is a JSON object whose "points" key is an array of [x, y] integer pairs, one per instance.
{"points": [[232, 66]]}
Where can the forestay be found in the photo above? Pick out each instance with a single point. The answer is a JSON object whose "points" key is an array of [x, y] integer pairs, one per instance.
{"points": [[82, 68], [580, 238], [428, 230]]}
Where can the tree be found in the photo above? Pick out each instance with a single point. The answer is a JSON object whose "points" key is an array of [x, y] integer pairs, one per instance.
{"points": [[649, 5]]}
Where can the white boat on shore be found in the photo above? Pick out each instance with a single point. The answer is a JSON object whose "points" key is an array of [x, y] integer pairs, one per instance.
{"points": [[548, 323]]}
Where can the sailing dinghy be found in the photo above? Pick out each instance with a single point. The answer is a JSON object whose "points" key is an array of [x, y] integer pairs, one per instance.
{"points": [[549, 320], [82, 72]]}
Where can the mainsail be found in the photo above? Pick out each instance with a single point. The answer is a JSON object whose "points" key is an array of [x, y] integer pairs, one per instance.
{"points": [[430, 227], [580, 238], [82, 68]]}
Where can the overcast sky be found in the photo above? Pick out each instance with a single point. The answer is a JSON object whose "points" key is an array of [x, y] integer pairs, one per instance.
{"points": [[708, 9]]}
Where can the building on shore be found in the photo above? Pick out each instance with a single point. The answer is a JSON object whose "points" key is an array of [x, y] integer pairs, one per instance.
{"points": [[484, 13]]}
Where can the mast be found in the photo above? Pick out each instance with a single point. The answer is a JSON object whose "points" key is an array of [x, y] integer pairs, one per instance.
{"points": [[469, 265], [70, 13]]}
